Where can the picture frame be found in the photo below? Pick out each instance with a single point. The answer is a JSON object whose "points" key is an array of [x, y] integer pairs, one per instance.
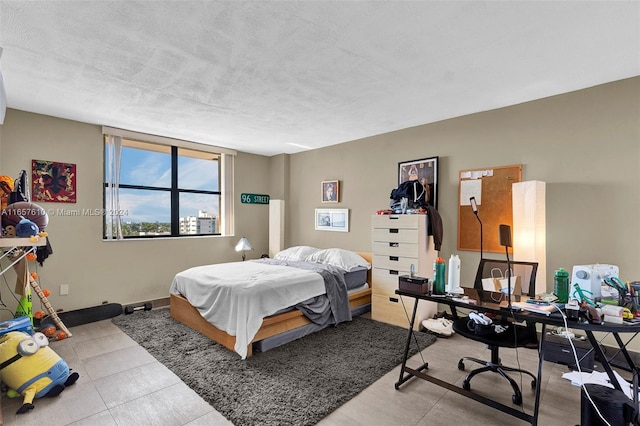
{"points": [[330, 191], [53, 182], [426, 171], [332, 220]]}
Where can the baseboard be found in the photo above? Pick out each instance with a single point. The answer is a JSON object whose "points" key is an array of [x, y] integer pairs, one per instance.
{"points": [[159, 303]]}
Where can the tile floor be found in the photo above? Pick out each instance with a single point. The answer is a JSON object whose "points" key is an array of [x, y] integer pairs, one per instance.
{"points": [[121, 384]]}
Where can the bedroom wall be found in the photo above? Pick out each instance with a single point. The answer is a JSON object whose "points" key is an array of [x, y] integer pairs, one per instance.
{"points": [[585, 145], [122, 271]]}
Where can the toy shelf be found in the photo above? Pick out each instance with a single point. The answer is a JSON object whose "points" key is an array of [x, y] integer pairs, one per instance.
{"points": [[30, 247], [22, 242]]}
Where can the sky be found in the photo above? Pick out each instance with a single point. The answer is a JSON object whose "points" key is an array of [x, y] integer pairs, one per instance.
{"points": [[148, 168]]}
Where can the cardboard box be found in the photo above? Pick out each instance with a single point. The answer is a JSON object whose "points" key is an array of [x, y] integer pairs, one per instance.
{"points": [[413, 284]]}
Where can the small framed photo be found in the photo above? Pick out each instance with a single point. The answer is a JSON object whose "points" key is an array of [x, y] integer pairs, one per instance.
{"points": [[330, 191], [332, 220], [424, 170]]}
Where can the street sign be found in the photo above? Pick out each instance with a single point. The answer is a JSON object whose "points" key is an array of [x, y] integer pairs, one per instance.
{"points": [[254, 199]]}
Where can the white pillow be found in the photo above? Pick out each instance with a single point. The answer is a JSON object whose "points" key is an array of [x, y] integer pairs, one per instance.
{"points": [[340, 258], [296, 254]]}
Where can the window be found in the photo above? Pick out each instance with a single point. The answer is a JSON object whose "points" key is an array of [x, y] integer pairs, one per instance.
{"points": [[160, 190]]}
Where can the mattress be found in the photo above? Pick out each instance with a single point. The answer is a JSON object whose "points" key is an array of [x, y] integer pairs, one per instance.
{"points": [[297, 333]]}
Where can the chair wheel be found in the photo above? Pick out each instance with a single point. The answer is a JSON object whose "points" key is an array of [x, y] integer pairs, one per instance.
{"points": [[517, 399], [533, 384], [466, 385], [460, 365]]}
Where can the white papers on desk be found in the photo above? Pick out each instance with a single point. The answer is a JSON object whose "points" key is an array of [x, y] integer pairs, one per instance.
{"points": [[598, 378]]}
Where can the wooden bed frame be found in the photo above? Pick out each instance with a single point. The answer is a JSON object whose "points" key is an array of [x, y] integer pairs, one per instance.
{"points": [[183, 311]]}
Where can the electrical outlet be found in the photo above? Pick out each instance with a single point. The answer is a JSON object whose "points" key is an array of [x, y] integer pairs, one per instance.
{"points": [[64, 289]]}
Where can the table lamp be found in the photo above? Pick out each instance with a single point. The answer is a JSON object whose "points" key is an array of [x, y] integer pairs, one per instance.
{"points": [[242, 246]]}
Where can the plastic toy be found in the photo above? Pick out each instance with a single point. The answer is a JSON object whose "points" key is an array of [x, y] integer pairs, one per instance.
{"points": [[48, 330], [580, 294], [31, 368]]}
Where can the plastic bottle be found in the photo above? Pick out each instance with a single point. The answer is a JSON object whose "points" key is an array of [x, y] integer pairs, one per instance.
{"points": [[561, 285], [438, 276], [454, 273]]}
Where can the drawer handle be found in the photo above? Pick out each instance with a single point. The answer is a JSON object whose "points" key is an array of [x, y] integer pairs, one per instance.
{"points": [[567, 351], [394, 258], [393, 272], [393, 230], [393, 299], [394, 244]]}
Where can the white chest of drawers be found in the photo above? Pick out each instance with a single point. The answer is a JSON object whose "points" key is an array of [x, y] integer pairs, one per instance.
{"points": [[399, 241]]}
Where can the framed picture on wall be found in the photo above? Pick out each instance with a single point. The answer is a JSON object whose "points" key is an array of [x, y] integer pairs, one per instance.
{"points": [[330, 191], [53, 182], [424, 170], [332, 220]]}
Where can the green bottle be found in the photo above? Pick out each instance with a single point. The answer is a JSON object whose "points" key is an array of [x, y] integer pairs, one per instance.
{"points": [[438, 276], [561, 285]]}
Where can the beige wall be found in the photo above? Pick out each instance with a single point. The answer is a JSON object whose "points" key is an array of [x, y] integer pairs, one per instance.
{"points": [[585, 145], [121, 271]]}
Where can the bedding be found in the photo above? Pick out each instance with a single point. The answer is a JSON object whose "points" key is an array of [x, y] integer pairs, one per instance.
{"points": [[356, 278], [340, 258], [297, 253], [236, 297]]}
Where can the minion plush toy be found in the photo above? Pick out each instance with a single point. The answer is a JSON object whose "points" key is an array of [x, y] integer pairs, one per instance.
{"points": [[30, 367]]}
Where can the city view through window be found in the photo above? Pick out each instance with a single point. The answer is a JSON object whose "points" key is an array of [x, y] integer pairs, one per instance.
{"points": [[148, 181]]}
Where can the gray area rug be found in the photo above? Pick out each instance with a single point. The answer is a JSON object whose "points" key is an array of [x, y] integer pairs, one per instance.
{"points": [[299, 383]]}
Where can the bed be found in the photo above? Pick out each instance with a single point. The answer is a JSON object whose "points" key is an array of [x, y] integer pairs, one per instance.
{"points": [[260, 304]]}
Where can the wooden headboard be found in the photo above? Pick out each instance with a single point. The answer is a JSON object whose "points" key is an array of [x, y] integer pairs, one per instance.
{"points": [[368, 257]]}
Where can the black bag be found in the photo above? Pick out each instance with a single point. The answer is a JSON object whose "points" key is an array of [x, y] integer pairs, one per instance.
{"points": [[415, 193], [20, 189]]}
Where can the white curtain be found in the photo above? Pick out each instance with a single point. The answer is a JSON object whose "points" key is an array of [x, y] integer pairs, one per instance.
{"points": [[112, 197]]}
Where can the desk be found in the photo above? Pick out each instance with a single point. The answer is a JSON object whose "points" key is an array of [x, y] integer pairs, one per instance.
{"points": [[406, 373]]}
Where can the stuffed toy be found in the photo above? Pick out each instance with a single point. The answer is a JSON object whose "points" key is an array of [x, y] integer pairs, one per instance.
{"points": [[26, 228], [31, 368]]}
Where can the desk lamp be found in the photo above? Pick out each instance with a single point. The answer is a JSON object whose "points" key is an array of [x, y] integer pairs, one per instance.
{"points": [[505, 240], [242, 246], [474, 207]]}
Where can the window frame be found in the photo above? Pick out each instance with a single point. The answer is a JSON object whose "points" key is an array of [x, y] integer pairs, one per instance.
{"points": [[225, 159]]}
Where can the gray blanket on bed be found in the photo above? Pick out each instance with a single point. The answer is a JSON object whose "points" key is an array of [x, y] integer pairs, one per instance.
{"points": [[330, 308]]}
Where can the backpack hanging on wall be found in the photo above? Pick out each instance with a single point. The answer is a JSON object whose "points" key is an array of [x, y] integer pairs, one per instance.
{"points": [[20, 189]]}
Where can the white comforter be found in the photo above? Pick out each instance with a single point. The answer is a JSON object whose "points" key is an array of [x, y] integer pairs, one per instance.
{"points": [[237, 296]]}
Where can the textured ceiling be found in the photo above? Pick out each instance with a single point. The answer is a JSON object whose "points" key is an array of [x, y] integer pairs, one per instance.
{"points": [[268, 77]]}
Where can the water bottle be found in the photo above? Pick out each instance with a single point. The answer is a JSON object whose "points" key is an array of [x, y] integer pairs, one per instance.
{"points": [[454, 274], [438, 276], [561, 285]]}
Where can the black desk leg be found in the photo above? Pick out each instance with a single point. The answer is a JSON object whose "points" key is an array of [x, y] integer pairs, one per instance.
{"points": [[412, 320], [536, 405], [623, 349], [603, 359]]}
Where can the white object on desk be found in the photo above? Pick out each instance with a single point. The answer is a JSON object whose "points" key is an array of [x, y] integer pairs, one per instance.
{"points": [[453, 283]]}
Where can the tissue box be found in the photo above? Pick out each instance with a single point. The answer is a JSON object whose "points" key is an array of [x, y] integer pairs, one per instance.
{"points": [[413, 284]]}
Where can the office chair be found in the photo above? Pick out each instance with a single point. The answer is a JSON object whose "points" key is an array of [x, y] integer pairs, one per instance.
{"points": [[514, 337]]}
